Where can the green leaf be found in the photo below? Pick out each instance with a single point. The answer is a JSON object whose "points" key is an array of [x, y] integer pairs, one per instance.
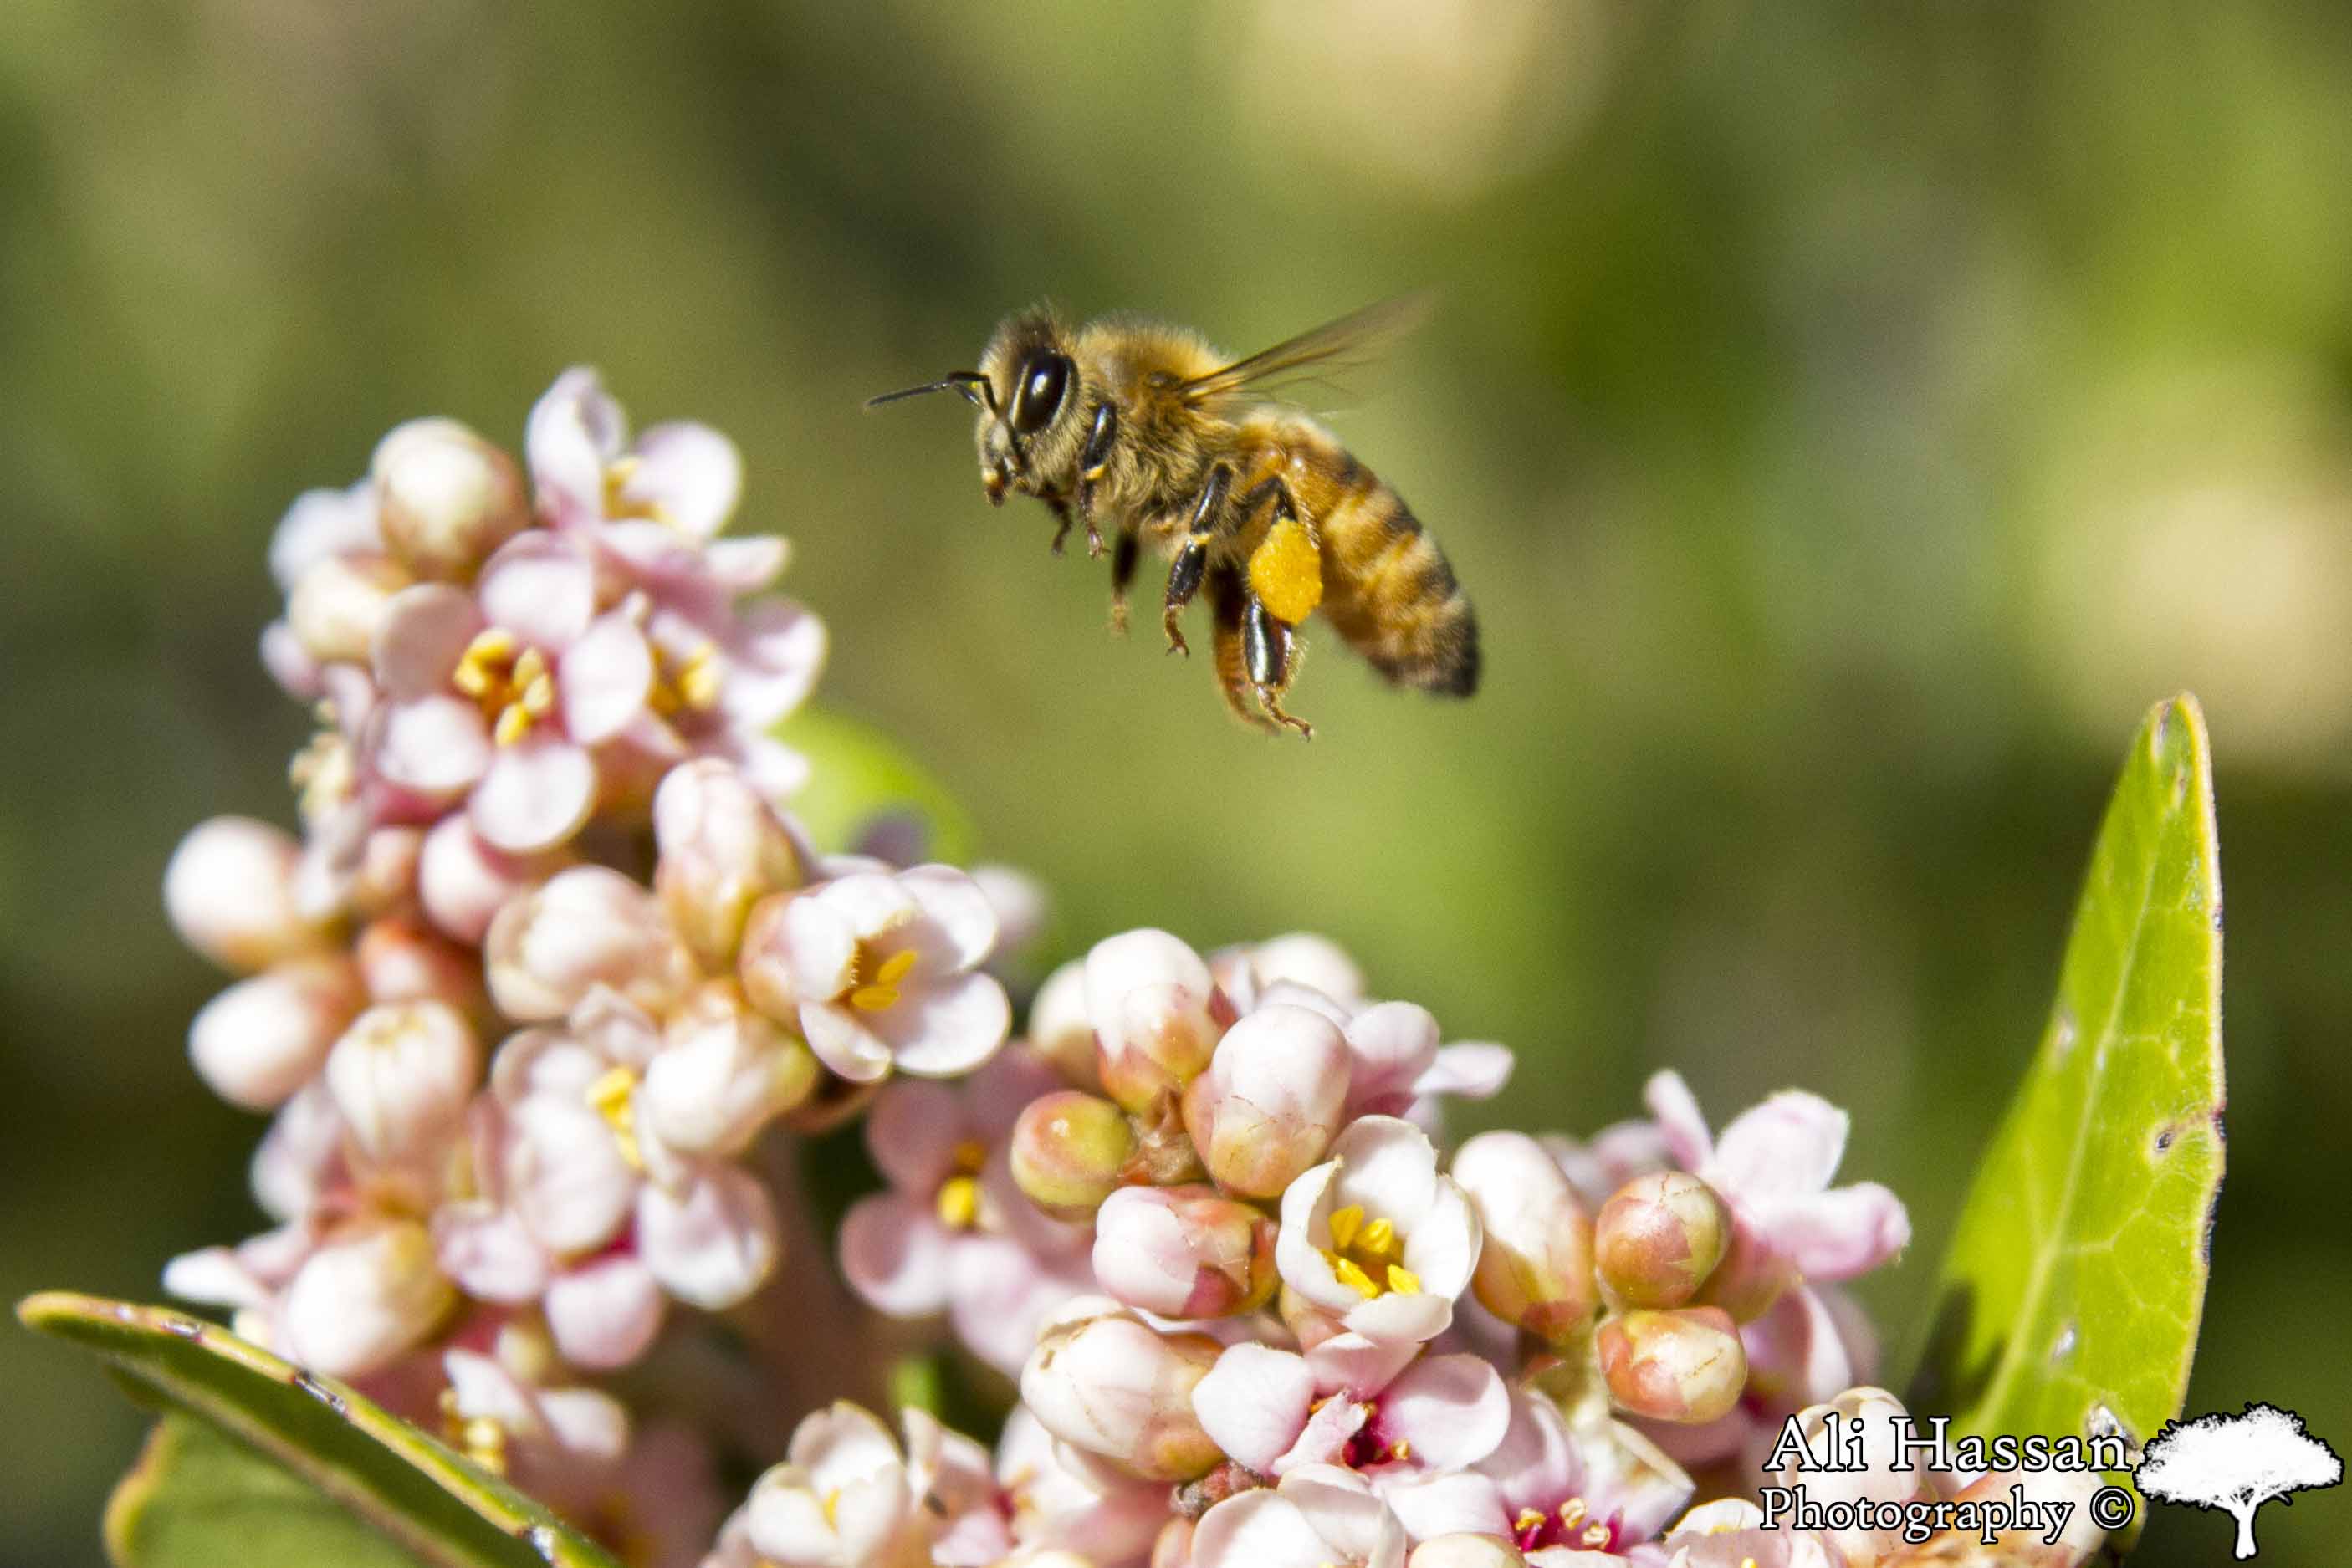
{"points": [[860, 782], [199, 1499], [2070, 1300], [433, 1506]]}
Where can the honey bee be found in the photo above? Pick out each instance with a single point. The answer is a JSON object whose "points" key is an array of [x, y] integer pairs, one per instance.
{"points": [[1142, 428]]}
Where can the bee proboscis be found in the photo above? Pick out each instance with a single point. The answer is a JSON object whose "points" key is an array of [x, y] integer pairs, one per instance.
{"points": [[1141, 429]]}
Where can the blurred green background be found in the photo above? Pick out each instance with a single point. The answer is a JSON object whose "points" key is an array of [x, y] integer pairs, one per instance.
{"points": [[1847, 419]]}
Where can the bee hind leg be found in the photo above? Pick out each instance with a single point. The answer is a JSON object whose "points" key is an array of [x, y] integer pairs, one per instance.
{"points": [[1225, 597], [1272, 652]]}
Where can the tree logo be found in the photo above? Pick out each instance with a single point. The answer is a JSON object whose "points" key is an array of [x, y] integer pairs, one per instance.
{"points": [[2236, 1463]]}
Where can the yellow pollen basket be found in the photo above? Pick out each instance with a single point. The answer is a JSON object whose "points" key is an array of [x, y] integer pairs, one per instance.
{"points": [[513, 686], [874, 987], [613, 1097], [1366, 1256], [1285, 572]]}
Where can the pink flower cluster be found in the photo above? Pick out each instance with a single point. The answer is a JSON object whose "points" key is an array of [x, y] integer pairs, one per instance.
{"points": [[550, 958], [550, 961], [1260, 1320]]}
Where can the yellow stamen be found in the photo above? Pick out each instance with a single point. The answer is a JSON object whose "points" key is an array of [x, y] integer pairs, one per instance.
{"points": [[1399, 1449], [478, 1437], [614, 1096], [958, 1202], [1528, 1519], [1404, 1280], [833, 1507], [513, 724], [1344, 1224], [1571, 1512], [693, 682], [1378, 1238], [970, 1155], [1598, 1535], [617, 476], [881, 991], [1352, 1276]]}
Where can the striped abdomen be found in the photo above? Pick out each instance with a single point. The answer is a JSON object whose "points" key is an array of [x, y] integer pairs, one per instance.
{"points": [[1387, 588]]}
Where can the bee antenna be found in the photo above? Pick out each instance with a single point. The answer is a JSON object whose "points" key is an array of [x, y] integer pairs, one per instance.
{"points": [[959, 382]]}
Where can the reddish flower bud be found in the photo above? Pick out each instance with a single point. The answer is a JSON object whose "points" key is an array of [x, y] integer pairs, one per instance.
{"points": [[446, 498], [1659, 1237], [1069, 1150], [1184, 1252], [1684, 1366], [1536, 1268]]}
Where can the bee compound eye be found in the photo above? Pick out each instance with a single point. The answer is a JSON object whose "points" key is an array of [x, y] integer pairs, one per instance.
{"points": [[1045, 379]]}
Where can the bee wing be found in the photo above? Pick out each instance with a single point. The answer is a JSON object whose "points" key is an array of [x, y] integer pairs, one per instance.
{"points": [[1352, 340]]}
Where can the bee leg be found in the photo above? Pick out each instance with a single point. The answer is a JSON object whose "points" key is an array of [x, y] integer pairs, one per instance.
{"points": [[1183, 582], [1273, 652], [1184, 575], [1093, 461], [1123, 557], [1060, 510], [1225, 600]]}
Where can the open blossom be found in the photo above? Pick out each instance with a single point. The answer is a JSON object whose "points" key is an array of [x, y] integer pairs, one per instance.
{"points": [[1320, 1517], [879, 970], [1275, 1411], [952, 1234], [848, 1496], [1376, 1237]]}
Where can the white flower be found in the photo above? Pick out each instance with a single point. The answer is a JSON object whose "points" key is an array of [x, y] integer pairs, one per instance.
{"points": [[1376, 1237]]}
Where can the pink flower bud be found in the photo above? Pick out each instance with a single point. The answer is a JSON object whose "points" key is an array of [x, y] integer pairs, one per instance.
{"points": [[1659, 1237], [1068, 1149], [403, 959], [1684, 1366], [400, 1075], [363, 1297], [1535, 1269], [230, 892], [723, 849], [444, 497], [1465, 1549], [723, 1074], [1104, 1382], [262, 1039], [1888, 1474], [385, 876], [1270, 1103], [1148, 997], [587, 926], [1059, 1030], [1184, 1252], [339, 604], [463, 883]]}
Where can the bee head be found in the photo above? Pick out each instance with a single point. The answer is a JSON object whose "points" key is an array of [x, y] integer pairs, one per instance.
{"points": [[1030, 432], [1027, 390]]}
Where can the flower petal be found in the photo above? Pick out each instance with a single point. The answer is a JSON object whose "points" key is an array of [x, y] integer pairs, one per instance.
{"points": [[424, 632], [691, 472], [1254, 1403], [958, 926], [773, 658], [1839, 1233], [605, 1313], [843, 1043], [1677, 1114], [1452, 1410], [712, 1244], [894, 1253], [947, 1029], [604, 678], [1389, 1166], [575, 430], [540, 586], [1788, 1146], [537, 794]]}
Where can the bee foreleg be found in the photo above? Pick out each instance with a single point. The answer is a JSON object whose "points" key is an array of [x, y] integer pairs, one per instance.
{"points": [[1272, 653], [1124, 555], [1192, 559], [1093, 461], [1060, 510]]}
